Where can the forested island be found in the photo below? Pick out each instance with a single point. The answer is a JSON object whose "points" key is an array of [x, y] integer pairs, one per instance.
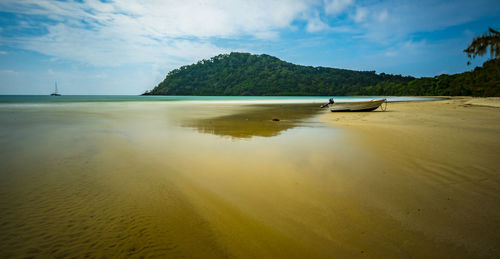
{"points": [[260, 75]]}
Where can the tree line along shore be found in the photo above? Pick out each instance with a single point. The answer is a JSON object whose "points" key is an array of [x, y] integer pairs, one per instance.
{"points": [[244, 74]]}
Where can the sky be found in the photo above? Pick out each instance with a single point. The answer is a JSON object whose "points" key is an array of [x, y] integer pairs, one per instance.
{"points": [[128, 46]]}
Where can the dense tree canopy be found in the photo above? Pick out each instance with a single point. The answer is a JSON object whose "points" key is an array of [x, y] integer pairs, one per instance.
{"points": [[480, 45], [246, 74]]}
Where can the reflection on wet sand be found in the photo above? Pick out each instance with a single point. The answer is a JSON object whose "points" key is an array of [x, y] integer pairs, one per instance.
{"points": [[255, 121]]}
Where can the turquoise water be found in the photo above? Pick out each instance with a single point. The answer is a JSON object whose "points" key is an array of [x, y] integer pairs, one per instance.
{"points": [[132, 98]]}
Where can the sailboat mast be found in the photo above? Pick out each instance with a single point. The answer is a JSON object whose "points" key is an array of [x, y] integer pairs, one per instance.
{"points": [[55, 93]]}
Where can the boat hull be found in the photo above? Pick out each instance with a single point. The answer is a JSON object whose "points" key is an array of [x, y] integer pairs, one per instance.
{"points": [[364, 106]]}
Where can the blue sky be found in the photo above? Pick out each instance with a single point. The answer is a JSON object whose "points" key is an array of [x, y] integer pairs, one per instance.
{"points": [[128, 46]]}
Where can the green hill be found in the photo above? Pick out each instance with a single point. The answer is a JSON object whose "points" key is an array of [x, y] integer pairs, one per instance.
{"points": [[247, 74]]}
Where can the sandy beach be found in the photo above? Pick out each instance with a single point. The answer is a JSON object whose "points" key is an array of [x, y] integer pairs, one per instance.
{"points": [[223, 180], [435, 168]]}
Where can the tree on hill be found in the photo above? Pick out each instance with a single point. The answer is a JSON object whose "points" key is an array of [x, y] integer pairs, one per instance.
{"points": [[247, 74], [480, 44]]}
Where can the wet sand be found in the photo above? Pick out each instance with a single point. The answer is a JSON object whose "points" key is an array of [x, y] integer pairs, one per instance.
{"points": [[223, 180]]}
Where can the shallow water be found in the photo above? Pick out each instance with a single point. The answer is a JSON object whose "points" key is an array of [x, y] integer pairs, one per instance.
{"points": [[161, 179], [113, 178], [23, 99]]}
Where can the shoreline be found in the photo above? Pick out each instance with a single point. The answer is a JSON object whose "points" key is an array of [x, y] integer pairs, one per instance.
{"points": [[68, 99]]}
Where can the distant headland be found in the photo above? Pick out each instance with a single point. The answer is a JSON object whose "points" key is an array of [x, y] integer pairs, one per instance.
{"points": [[237, 74]]}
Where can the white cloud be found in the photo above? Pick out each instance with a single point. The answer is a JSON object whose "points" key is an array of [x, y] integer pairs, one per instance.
{"points": [[315, 24], [3, 52], [360, 14], [389, 21], [409, 48], [128, 31], [382, 16], [100, 76], [111, 46], [9, 72], [391, 53], [337, 6], [171, 32]]}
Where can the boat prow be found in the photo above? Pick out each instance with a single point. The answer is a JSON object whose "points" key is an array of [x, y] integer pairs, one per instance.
{"points": [[359, 106]]}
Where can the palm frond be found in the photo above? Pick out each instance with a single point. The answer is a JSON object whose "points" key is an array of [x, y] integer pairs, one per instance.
{"points": [[479, 45]]}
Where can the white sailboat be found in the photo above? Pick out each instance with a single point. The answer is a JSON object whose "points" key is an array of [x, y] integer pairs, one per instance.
{"points": [[55, 93]]}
